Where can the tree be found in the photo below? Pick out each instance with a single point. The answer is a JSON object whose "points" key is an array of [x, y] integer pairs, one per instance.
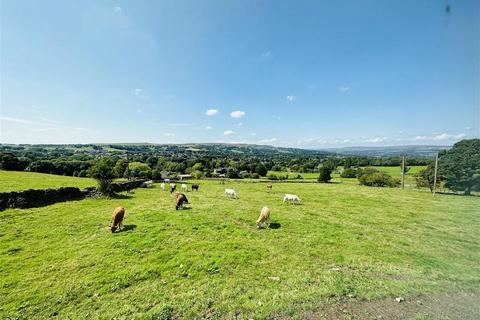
{"points": [[325, 174], [424, 179], [102, 171], [140, 170], [460, 166], [120, 167], [261, 170]]}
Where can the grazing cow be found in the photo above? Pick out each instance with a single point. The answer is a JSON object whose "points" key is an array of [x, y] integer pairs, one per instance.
{"points": [[184, 187], [162, 186], [117, 219], [291, 198], [262, 220], [180, 199], [173, 187], [195, 186], [269, 186], [231, 193]]}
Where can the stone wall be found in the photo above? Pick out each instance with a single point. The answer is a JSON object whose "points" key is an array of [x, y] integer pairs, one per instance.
{"points": [[37, 198]]}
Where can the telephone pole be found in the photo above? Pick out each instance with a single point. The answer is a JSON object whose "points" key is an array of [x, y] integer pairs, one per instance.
{"points": [[403, 172]]}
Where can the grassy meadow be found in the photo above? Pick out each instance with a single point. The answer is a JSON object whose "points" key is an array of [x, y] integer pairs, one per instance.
{"points": [[17, 181], [210, 261]]}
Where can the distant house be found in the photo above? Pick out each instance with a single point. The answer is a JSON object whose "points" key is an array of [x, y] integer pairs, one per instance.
{"points": [[220, 171], [184, 176]]}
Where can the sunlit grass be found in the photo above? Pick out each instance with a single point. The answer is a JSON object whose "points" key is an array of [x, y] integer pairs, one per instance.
{"points": [[211, 260]]}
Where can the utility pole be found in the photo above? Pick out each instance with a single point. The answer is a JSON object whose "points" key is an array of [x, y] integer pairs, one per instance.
{"points": [[403, 172], [435, 176]]}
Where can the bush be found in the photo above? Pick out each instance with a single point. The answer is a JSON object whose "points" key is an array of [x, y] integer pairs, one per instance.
{"points": [[325, 174], [375, 178], [140, 170], [351, 173], [102, 171]]}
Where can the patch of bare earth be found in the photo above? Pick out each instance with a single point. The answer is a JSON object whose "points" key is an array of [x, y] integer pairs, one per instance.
{"points": [[451, 306]]}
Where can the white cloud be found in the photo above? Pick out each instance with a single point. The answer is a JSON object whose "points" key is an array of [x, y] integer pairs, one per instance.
{"points": [[468, 128], [81, 129], [140, 93], [211, 112], [237, 114], [266, 54], [228, 132], [375, 140], [117, 10], [344, 89], [240, 124], [50, 120], [253, 134], [440, 137], [168, 134], [208, 128], [267, 141], [291, 98]]}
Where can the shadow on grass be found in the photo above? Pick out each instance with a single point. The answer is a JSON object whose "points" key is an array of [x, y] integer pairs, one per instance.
{"points": [[274, 225], [121, 196], [185, 208], [129, 227], [445, 193]]}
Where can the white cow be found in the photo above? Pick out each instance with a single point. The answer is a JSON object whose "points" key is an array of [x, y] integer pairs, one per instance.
{"points": [[148, 184], [262, 220], [291, 198], [184, 187], [231, 193], [162, 186]]}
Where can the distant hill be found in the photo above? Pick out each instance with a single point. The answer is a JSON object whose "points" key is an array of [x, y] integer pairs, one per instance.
{"points": [[409, 151]]}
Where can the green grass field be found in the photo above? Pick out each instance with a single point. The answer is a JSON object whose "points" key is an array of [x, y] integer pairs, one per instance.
{"points": [[16, 181], [212, 262]]}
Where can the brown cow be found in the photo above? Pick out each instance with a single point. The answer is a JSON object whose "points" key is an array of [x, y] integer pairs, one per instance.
{"points": [[180, 199], [117, 219], [269, 186]]}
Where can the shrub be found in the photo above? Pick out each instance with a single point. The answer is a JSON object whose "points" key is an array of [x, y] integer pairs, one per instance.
{"points": [[375, 178], [351, 173], [325, 174], [102, 171]]}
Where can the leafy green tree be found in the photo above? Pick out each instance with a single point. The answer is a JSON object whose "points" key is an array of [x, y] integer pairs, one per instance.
{"points": [[424, 179], [261, 170], [140, 170], [325, 174], [120, 167], [102, 171], [460, 166]]}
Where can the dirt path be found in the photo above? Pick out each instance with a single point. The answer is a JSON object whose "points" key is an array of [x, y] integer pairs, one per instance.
{"points": [[461, 306]]}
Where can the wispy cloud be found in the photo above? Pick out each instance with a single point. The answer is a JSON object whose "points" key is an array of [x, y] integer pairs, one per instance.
{"points": [[49, 120], [208, 128], [291, 98], [266, 54], [312, 86], [140, 93], [375, 140], [168, 134], [237, 114], [139, 111], [239, 124], [440, 137], [228, 133], [344, 89], [25, 121], [267, 141], [211, 112], [117, 10], [253, 134], [178, 124]]}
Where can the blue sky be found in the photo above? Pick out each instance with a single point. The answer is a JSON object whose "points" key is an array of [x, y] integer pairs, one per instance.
{"points": [[310, 74]]}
